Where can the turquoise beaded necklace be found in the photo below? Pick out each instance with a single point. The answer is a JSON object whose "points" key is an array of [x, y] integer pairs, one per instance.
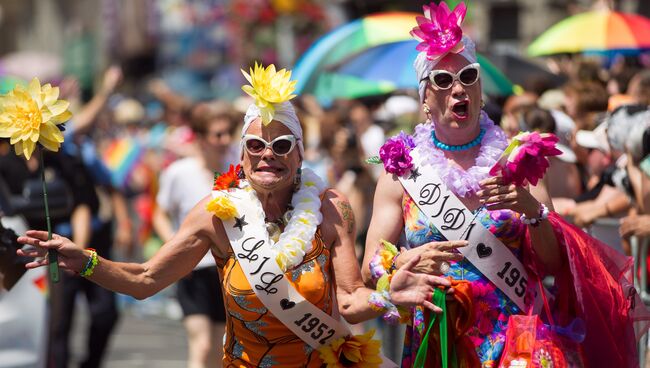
{"points": [[462, 147]]}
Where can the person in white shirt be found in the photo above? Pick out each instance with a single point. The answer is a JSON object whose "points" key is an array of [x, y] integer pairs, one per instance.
{"points": [[182, 185], [371, 136]]}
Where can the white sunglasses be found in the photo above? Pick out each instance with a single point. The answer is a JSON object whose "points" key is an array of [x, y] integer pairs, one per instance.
{"points": [[281, 146], [443, 79]]}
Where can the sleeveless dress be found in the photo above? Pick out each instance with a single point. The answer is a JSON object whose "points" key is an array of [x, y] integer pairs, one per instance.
{"points": [[254, 337], [491, 306]]}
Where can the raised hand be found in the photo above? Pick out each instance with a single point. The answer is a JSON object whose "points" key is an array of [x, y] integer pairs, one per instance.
{"points": [[408, 288], [71, 256]]}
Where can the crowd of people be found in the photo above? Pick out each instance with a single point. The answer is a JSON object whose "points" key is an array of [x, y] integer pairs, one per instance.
{"points": [[135, 176]]}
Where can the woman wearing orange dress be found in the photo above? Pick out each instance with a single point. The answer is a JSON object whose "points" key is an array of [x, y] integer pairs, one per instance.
{"points": [[308, 230]]}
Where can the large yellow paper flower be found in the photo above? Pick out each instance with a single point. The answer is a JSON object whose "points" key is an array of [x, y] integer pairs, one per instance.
{"points": [[31, 115], [269, 87], [353, 351], [222, 207]]}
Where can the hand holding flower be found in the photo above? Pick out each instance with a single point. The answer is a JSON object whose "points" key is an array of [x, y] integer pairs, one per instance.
{"points": [[71, 256], [497, 194], [35, 116]]}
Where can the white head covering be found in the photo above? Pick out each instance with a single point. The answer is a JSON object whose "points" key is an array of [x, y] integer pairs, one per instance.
{"points": [[285, 114], [423, 65], [634, 142]]}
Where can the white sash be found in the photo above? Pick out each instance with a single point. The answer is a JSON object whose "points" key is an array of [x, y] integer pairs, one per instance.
{"points": [[485, 251], [250, 244]]}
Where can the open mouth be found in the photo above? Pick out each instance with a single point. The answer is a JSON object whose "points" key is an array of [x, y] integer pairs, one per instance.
{"points": [[461, 109]]}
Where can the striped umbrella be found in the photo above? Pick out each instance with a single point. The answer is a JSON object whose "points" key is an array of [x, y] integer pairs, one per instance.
{"points": [[345, 41], [391, 66], [594, 31]]}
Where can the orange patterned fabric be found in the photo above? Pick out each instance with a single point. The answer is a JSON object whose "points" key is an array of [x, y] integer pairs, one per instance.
{"points": [[254, 337]]}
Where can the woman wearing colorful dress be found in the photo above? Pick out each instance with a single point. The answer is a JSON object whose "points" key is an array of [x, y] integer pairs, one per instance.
{"points": [[460, 144]]}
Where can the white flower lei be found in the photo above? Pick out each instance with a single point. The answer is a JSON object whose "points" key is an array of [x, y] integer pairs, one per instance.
{"points": [[296, 240]]}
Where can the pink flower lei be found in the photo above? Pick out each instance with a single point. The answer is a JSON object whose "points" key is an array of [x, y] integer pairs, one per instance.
{"points": [[462, 182]]}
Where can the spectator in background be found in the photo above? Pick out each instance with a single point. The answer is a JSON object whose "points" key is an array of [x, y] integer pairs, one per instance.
{"points": [[332, 121], [639, 88], [354, 180], [587, 71], [615, 195], [563, 166], [584, 102], [619, 81], [67, 177], [512, 112], [371, 136], [313, 120], [638, 169], [170, 136], [104, 205], [182, 185]]}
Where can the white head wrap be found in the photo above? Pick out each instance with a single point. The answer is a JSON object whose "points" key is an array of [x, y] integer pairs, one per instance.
{"points": [[285, 114], [634, 142], [423, 65]]}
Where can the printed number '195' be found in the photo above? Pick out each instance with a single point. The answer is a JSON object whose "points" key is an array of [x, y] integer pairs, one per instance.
{"points": [[308, 323], [513, 277]]}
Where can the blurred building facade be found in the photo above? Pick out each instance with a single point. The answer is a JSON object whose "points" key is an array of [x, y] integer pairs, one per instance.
{"points": [[202, 36]]}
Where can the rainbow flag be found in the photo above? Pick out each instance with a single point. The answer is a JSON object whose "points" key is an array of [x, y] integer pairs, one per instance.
{"points": [[121, 157]]}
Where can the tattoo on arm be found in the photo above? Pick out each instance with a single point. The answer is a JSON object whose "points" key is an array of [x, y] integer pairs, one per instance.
{"points": [[348, 216]]}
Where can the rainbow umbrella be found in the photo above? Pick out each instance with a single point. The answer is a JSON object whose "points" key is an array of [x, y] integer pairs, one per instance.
{"points": [[344, 41], [594, 31], [391, 65]]}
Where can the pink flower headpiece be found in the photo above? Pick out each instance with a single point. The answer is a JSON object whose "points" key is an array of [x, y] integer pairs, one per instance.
{"points": [[439, 30]]}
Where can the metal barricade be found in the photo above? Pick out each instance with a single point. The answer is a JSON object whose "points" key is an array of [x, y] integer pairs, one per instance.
{"points": [[639, 249]]}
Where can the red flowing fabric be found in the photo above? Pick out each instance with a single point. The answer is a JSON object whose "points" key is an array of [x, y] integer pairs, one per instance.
{"points": [[597, 286]]}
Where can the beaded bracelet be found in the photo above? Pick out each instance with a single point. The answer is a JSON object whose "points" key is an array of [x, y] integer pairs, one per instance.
{"points": [[535, 221], [93, 260]]}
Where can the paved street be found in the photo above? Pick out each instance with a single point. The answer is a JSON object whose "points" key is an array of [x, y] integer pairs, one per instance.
{"points": [[139, 341]]}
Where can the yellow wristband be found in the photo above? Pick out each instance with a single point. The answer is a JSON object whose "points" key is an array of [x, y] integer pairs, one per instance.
{"points": [[90, 265]]}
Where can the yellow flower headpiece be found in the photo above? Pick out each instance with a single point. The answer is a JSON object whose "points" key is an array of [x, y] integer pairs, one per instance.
{"points": [[269, 87], [31, 115]]}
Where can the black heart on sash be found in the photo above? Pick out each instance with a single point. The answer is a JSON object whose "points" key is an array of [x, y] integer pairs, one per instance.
{"points": [[287, 304], [483, 250]]}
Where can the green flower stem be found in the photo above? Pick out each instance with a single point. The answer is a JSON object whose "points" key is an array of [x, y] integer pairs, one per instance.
{"points": [[52, 254]]}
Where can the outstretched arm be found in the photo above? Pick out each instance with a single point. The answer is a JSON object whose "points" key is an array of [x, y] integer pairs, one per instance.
{"points": [[338, 231], [140, 280]]}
